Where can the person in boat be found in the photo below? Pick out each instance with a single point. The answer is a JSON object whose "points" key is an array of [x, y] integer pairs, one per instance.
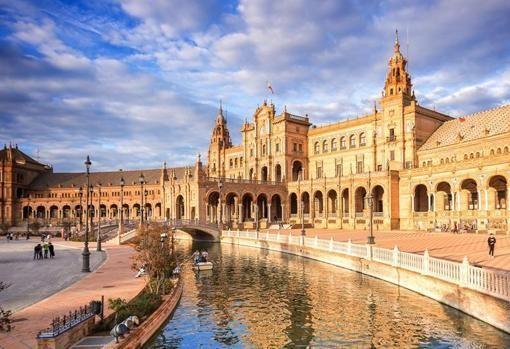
{"points": [[196, 256], [204, 256]]}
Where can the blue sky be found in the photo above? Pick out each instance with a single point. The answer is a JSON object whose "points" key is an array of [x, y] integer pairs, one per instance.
{"points": [[135, 83]]}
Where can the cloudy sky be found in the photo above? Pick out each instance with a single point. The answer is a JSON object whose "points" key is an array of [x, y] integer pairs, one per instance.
{"points": [[134, 83]]}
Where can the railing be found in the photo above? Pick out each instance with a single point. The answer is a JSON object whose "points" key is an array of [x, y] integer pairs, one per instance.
{"points": [[243, 181], [193, 222], [62, 324], [494, 283]]}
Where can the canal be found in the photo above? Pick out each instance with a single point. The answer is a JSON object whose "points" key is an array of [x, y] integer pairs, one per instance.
{"points": [[261, 299]]}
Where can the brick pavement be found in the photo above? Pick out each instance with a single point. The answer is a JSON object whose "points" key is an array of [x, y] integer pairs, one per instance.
{"points": [[114, 278], [443, 245]]}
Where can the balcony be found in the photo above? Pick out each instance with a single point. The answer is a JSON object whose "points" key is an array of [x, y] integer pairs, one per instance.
{"points": [[391, 138]]}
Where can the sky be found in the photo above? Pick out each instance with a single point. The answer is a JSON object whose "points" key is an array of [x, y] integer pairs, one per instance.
{"points": [[135, 83]]}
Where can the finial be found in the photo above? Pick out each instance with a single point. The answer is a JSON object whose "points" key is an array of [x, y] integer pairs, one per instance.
{"points": [[164, 165], [221, 106], [396, 37], [375, 107]]}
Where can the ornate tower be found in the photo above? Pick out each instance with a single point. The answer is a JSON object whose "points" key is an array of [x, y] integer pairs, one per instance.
{"points": [[220, 141], [398, 80]]}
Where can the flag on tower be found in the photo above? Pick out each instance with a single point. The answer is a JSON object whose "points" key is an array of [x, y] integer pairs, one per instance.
{"points": [[462, 119], [270, 88]]}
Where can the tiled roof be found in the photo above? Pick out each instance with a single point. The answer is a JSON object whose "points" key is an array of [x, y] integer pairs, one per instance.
{"points": [[70, 180], [470, 127], [17, 155]]}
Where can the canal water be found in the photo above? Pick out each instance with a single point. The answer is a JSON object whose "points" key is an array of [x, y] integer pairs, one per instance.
{"points": [[261, 299]]}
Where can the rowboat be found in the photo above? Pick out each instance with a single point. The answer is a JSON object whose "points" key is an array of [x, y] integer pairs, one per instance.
{"points": [[203, 266]]}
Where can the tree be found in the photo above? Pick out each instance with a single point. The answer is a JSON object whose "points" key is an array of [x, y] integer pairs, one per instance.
{"points": [[35, 226], [154, 255], [4, 228]]}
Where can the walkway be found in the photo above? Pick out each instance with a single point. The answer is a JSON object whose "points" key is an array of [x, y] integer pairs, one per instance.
{"points": [[444, 245], [114, 278]]}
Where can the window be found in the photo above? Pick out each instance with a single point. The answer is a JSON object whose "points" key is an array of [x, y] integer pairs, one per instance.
{"points": [[263, 150], [251, 152], [277, 147], [300, 148], [359, 167], [391, 138], [295, 147], [362, 139], [392, 155], [379, 168], [325, 147], [235, 162], [338, 170], [231, 163], [352, 141], [241, 161], [334, 144], [342, 143], [316, 148], [319, 171]]}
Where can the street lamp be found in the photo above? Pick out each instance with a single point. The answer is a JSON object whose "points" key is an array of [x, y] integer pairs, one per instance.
{"points": [[303, 232], [145, 210], [98, 246], [80, 211], [162, 239], [370, 202], [86, 254], [220, 186], [142, 182], [28, 216], [121, 222]]}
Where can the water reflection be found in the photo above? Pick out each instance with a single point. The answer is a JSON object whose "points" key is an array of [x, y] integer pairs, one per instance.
{"points": [[260, 299]]}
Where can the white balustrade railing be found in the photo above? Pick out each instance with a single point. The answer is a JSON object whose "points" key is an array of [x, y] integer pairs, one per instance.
{"points": [[494, 283]]}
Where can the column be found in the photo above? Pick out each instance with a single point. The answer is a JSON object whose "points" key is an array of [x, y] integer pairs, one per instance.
{"points": [[283, 212], [486, 199], [459, 200], [269, 218], [478, 204], [412, 203], [240, 214]]}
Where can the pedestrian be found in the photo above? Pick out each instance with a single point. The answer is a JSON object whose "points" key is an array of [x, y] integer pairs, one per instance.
{"points": [[42, 238], [52, 250], [46, 249], [28, 235], [491, 241], [48, 238], [36, 251]]}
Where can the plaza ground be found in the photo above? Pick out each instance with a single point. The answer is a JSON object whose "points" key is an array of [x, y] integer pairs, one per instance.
{"points": [[442, 245], [33, 280], [114, 278]]}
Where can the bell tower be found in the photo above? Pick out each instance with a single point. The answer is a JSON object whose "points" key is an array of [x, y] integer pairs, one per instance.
{"points": [[220, 141], [398, 80]]}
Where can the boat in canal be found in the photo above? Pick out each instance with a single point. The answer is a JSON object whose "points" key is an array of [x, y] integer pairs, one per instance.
{"points": [[203, 266]]}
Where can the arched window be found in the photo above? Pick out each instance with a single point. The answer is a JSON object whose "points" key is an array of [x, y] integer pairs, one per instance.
{"points": [[352, 141], [342, 143], [316, 148], [325, 146], [334, 144], [362, 139]]}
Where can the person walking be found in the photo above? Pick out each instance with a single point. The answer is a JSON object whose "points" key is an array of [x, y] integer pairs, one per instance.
{"points": [[46, 249], [51, 248], [491, 241], [36, 251]]}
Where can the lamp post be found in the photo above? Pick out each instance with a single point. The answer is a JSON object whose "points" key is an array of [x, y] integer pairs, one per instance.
{"points": [[370, 202], [121, 222], [80, 212], [145, 210], [162, 239], [173, 243], [86, 254], [220, 186], [98, 248], [303, 232], [28, 216], [142, 182]]}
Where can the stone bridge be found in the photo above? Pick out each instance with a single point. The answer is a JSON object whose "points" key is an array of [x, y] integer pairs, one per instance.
{"points": [[197, 229]]}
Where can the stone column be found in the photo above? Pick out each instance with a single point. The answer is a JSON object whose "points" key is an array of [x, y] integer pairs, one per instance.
{"points": [[459, 201], [207, 215], [240, 214], [486, 199], [283, 212], [269, 218], [412, 203]]}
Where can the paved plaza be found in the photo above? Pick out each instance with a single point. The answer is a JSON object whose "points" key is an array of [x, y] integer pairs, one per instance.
{"points": [[443, 245], [113, 278], [33, 280]]}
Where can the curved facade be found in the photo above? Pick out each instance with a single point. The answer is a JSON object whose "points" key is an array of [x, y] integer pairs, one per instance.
{"points": [[420, 169]]}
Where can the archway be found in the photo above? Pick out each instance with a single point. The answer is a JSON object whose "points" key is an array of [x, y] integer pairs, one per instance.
{"points": [[125, 214], [66, 212], [345, 202], [276, 208], [40, 212], [305, 202], [213, 201], [102, 211], [247, 206], [251, 174], [264, 174], [114, 211], [231, 208], [262, 209], [136, 210], [469, 194], [158, 213], [318, 203], [27, 212], [179, 207], [359, 199], [297, 169], [498, 189], [421, 198], [377, 194], [278, 173], [445, 197], [332, 202], [53, 212], [293, 203]]}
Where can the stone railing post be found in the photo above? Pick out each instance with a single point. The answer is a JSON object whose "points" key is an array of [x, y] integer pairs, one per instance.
{"points": [[369, 251], [349, 247], [394, 261], [426, 260], [238, 233], [331, 244], [289, 238], [277, 236], [316, 241], [267, 235], [464, 272]]}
